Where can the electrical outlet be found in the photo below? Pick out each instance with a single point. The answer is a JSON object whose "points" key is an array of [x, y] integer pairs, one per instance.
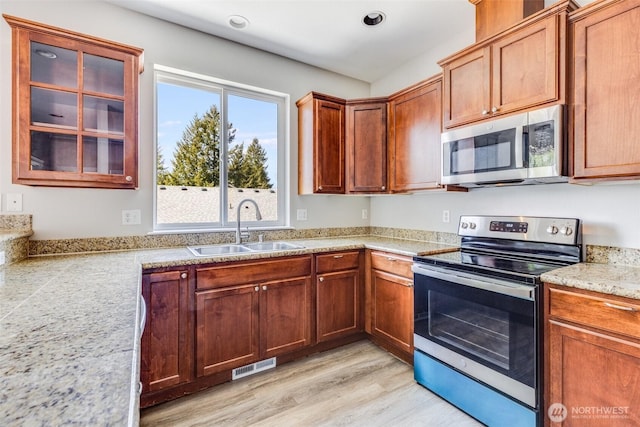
{"points": [[365, 214], [446, 217], [14, 202], [2, 258], [131, 217], [301, 214]]}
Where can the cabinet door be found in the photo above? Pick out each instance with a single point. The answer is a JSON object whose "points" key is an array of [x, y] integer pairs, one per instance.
{"points": [[467, 88], [226, 328], [366, 142], [606, 92], [329, 148], [285, 309], [414, 138], [338, 310], [524, 67], [166, 347], [392, 309], [590, 370], [75, 109]]}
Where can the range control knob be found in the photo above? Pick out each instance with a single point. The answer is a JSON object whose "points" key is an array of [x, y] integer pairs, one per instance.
{"points": [[464, 225], [552, 229], [472, 225], [567, 231]]}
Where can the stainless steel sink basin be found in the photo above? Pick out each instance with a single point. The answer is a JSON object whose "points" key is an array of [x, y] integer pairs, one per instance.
{"points": [[272, 246], [213, 250], [217, 250]]}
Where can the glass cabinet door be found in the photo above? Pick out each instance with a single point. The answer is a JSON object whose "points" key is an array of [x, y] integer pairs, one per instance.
{"points": [[76, 104]]}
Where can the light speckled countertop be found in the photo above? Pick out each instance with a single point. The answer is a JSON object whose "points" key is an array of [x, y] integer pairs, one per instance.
{"points": [[69, 337], [610, 279]]}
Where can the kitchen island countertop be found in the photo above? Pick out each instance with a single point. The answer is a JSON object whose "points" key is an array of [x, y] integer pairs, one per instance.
{"points": [[69, 336]]}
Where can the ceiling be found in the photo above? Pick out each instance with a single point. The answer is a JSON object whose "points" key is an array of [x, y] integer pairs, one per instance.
{"points": [[326, 33]]}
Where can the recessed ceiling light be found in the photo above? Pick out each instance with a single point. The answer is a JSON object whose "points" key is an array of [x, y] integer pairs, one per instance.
{"points": [[238, 22], [46, 53], [373, 18]]}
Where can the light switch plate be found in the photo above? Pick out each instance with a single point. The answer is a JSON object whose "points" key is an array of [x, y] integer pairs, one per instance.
{"points": [[14, 202], [301, 214]]}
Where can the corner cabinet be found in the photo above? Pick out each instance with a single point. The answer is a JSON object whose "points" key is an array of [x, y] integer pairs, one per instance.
{"points": [[366, 143], [414, 129], [520, 68], [606, 66], [321, 144], [75, 108], [592, 360]]}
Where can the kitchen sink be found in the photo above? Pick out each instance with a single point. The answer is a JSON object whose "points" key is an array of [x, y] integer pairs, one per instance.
{"points": [[272, 246], [218, 250]]}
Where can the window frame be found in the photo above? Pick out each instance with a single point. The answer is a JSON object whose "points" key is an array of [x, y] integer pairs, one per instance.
{"points": [[225, 88]]}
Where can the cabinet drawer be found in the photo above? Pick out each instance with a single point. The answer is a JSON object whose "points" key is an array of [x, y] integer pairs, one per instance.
{"points": [[392, 263], [620, 316], [252, 272], [337, 261]]}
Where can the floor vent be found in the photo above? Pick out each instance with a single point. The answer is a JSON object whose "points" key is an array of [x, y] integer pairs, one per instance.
{"points": [[254, 368]]}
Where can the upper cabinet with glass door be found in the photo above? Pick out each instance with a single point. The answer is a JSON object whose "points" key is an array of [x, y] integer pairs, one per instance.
{"points": [[75, 104]]}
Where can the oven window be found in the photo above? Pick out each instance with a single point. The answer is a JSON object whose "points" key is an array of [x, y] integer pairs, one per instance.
{"points": [[495, 330], [494, 151]]}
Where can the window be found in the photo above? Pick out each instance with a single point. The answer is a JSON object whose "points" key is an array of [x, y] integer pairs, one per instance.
{"points": [[218, 143]]}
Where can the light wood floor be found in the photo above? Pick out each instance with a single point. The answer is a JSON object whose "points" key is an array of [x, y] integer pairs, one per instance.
{"points": [[355, 385]]}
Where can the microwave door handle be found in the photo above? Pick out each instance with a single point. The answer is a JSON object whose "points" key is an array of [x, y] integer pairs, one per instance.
{"points": [[519, 149]]}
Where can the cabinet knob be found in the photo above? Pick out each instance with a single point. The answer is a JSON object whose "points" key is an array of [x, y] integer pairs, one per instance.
{"points": [[383, 188], [320, 187], [264, 288], [183, 275], [485, 112], [321, 279], [494, 110], [257, 288], [128, 178]]}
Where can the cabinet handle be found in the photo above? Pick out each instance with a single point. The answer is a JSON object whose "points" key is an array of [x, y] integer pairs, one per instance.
{"points": [[494, 110], [264, 288], [485, 112], [620, 307], [128, 178], [338, 256], [257, 288], [391, 259], [183, 275], [321, 279]]}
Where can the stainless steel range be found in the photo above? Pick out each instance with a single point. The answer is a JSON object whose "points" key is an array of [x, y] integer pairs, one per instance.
{"points": [[477, 323]]}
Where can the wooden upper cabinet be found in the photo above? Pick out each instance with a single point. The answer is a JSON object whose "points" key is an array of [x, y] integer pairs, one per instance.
{"points": [[606, 90], [321, 145], [521, 68], [366, 142], [75, 108], [414, 128], [494, 16]]}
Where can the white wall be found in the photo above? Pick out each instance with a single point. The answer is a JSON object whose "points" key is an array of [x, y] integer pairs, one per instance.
{"points": [[610, 213], [70, 213]]}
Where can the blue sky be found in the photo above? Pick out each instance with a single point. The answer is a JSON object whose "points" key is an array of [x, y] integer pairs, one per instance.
{"points": [[177, 106]]}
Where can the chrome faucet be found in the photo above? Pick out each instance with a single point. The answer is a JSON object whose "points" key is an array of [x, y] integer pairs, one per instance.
{"points": [[239, 234]]}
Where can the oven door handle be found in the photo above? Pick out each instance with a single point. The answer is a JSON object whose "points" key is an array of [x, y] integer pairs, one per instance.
{"points": [[495, 285]]}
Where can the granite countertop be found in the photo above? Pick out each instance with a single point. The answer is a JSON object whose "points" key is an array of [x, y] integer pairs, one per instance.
{"points": [[69, 336], [610, 279], [6, 235]]}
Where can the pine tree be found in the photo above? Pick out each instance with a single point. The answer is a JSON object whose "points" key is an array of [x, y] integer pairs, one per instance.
{"points": [[236, 164], [255, 166], [196, 161], [162, 172]]}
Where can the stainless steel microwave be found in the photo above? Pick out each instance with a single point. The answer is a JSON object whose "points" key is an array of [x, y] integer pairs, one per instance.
{"points": [[526, 148]]}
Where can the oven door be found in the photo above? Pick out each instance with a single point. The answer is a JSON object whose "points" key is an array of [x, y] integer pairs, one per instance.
{"points": [[483, 327]]}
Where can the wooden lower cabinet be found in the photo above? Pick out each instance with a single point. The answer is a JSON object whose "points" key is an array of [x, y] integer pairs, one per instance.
{"points": [[249, 311], [592, 359], [338, 295], [391, 303], [167, 339]]}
